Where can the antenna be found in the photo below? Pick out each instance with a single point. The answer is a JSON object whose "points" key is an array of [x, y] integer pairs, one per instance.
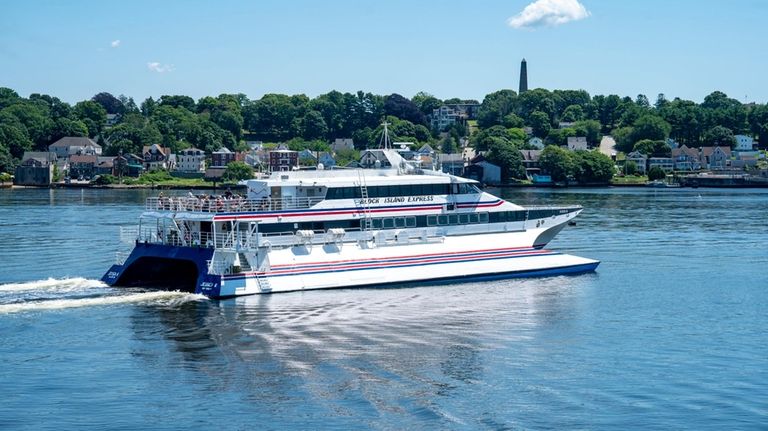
{"points": [[385, 142]]}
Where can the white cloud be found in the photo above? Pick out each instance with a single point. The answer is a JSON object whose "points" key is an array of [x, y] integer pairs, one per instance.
{"points": [[549, 13], [159, 68], [115, 43]]}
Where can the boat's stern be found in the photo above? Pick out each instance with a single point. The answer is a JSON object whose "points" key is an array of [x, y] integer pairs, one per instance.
{"points": [[166, 267]]}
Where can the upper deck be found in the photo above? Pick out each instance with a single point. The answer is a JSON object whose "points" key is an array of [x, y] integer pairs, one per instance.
{"points": [[231, 205]]}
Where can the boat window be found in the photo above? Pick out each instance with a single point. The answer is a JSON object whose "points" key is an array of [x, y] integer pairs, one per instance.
{"points": [[442, 220], [410, 222], [431, 220], [483, 217], [388, 223], [474, 218], [453, 219], [400, 222], [376, 223], [463, 218]]}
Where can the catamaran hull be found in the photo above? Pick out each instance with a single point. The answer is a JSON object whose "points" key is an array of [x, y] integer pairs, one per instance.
{"points": [[331, 266]]}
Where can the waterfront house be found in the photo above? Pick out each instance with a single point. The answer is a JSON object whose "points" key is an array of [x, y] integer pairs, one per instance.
{"points": [[307, 157], [667, 164], [222, 157], [326, 159], [744, 143], [379, 159], [686, 159], [640, 160], [531, 162], [105, 165], [70, 145], [36, 169], [341, 144], [576, 143], [483, 171], [156, 157], [715, 158], [83, 166], [191, 160], [283, 160], [451, 164]]}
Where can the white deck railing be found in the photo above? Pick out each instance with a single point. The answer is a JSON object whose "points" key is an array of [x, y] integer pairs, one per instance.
{"points": [[232, 205]]}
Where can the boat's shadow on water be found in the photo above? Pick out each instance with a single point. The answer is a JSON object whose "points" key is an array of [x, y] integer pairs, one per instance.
{"points": [[390, 349]]}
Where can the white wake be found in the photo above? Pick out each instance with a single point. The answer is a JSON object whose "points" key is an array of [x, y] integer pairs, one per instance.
{"points": [[53, 285], [156, 297]]}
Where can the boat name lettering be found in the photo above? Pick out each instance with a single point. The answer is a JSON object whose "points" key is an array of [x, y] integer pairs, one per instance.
{"points": [[396, 199]]}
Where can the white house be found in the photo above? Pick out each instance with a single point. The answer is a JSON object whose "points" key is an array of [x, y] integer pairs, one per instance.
{"points": [[744, 143], [667, 164], [342, 144], [640, 160], [70, 145], [191, 160], [577, 143]]}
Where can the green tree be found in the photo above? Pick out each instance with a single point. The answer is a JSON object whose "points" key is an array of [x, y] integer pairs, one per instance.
{"points": [[540, 123], [448, 145], [185, 102], [92, 115], [237, 171], [482, 140], [652, 148], [650, 127], [8, 97], [14, 139], [507, 156], [33, 118], [593, 167], [511, 121], [313, 126], [573, 113], [560, 137], [495, 107], [758, 123], [589, 129], [65, 126], [535, 100], [557, 162], [656, 173], [426, 102], [719, 135], [110, 103], [630, 168], [623, 138]]}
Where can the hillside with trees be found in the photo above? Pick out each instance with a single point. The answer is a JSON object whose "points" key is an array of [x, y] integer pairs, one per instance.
{"points": [[210, 123]]}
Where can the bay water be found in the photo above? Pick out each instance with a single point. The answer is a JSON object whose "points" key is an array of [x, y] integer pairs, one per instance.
{"points": [[668, 333]]}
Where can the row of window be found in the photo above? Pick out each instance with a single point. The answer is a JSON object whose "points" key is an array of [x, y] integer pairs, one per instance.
{"points": [[411, 221], [401, 190]]}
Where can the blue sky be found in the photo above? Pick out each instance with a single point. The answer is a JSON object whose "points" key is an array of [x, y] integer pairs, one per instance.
{"points": [[449, 48]]}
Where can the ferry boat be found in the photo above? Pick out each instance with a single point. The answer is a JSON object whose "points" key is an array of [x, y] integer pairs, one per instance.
{"points": [[321, 229]]}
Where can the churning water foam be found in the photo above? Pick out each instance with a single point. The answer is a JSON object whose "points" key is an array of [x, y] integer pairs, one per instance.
{"points": [[63, 290], [53, 284]]}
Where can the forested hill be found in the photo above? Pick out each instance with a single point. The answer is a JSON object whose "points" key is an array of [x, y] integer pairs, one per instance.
{"points": [[177, 121]]}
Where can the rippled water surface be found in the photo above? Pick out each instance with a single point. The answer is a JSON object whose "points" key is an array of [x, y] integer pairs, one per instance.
{"points": [[669, 333]]}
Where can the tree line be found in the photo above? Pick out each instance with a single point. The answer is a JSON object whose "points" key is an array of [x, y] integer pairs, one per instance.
{"points": [[210, 123]]}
